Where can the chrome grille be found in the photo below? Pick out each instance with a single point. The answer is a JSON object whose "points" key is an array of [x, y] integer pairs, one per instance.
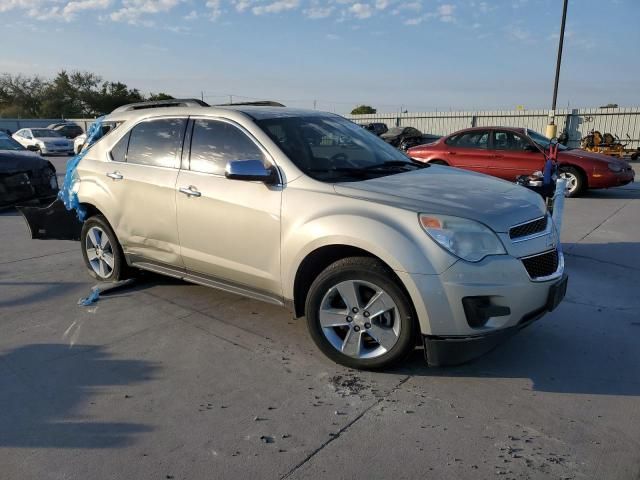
{"points": [[542, 265], [529, 228]]}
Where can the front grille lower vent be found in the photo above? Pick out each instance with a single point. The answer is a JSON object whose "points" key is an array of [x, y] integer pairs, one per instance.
{"points": [[542, 265]]}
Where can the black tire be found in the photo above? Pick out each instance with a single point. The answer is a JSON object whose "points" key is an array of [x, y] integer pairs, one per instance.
{"points": [[439, 162], [574, 175], [120, 270], [368, 270]]}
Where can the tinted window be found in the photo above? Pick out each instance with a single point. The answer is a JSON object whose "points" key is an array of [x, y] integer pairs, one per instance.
{"points": [[156, 142], [475, 139], [215, 143], [119, 151], [509, 141]]}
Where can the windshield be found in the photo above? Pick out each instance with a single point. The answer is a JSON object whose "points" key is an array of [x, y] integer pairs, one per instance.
{"points": [[8, 143], [331, 148], [543, 141], [44, 133]]}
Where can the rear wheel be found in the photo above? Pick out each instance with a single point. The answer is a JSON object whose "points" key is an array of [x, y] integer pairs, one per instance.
{"points": [[101, 251], [358, 315], [576, 181]]}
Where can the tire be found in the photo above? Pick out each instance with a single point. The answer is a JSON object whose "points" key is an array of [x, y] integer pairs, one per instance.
{"points": [[353, 336], [576, 181], [94, 231], [439, 162]]}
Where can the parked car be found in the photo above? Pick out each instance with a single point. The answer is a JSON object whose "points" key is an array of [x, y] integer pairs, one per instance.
{"points": [[507, 153], [24, 175], [44, 141], [403, 137], [376, 250], [79, 141], [377, 127], [67, 129]]}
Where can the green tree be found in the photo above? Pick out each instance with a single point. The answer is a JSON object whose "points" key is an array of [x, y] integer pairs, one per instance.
{"points": [[21, 96], [159, 96], [363, 110]]}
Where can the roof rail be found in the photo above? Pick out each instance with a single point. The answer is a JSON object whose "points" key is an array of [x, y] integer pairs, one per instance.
{"points": [[258, 103], [174, 102]]}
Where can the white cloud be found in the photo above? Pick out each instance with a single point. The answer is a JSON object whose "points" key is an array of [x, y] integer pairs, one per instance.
{"points": [[516, 32], [332, 36], [214, 9], [132, 10], [53, 9], [192, 15], [361, 10], [446, 12], [382, 4], [317, 12], [276, 7]]}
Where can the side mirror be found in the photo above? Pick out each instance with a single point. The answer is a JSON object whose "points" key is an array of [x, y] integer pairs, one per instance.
{"points": [[250, 170]]}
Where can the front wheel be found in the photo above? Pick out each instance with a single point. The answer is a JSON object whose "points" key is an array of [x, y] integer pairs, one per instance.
{"points": [[359, 316], [101, 251], [576, 182]]}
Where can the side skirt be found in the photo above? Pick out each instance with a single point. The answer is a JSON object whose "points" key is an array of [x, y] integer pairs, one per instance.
{"points": [[205, 280]]}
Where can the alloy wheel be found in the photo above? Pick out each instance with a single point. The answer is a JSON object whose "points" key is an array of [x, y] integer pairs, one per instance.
{"points": [[99, 252], [572, 182], [359, 319]]}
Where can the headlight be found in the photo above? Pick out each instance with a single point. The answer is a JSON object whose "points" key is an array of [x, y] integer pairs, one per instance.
{"points": [[615, 167], [465, 238]]}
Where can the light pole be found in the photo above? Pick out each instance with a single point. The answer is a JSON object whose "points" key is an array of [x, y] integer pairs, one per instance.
{"points": [[552, 128]]}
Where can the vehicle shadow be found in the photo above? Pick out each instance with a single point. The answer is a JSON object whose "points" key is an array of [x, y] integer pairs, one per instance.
{"points": [[46, 408], [627, 191]]}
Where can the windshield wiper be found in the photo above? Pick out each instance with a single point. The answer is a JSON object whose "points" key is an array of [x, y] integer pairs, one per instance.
{"points": [[396, 163]]}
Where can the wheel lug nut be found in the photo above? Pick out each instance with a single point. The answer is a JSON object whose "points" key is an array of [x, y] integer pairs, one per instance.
{"points": [[366, 313], [367, 325], [349, 319], [354, 310], [356, 328]]}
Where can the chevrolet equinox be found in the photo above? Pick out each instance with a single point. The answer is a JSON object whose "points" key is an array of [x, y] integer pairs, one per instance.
{"points": [[307, 210]]}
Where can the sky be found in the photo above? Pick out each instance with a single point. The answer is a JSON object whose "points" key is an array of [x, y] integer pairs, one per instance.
{"points": [[415, 55]]}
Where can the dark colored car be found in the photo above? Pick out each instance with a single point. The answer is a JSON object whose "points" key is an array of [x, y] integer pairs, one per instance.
{"points": [[68, 130], [508, 153], [376, 127], [24, 175], [403, 137]]}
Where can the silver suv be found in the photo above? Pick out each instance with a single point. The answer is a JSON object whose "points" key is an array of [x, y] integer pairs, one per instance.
{"points": [[308, 210]]}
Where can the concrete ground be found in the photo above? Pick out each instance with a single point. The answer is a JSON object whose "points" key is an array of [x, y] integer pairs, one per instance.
{"points": [[167, 380]]}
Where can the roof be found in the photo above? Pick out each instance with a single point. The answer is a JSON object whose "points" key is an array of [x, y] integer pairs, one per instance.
{"points": [[254, 112], [489, 127]]}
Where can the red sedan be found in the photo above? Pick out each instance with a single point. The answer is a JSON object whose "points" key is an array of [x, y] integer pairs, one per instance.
{"points": [[510, 152]]}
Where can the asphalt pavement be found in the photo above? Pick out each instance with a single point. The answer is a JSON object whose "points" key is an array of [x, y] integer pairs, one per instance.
{"points": [[168, 380]]}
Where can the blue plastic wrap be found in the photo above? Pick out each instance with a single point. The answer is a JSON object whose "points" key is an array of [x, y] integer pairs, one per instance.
{"points": [[66, 193]]}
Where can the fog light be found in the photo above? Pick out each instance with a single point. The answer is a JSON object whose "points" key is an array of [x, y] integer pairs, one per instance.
{"points": [[479, 310]]}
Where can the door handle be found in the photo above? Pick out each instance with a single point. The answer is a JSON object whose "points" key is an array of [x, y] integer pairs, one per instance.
{"points": [[190, 191], [451, 153], [115, 175]]}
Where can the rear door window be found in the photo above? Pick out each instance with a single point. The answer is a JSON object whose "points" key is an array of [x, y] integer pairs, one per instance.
{"points": [[214, 143], [156, 142], [475, 139], [119, 150]]}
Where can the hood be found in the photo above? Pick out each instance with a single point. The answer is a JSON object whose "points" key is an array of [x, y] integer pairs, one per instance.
{"points": [[585, 155], [450, 191], [12, 162]]}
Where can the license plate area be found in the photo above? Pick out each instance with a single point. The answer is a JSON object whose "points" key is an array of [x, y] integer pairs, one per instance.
{"points": [[557, 293]]}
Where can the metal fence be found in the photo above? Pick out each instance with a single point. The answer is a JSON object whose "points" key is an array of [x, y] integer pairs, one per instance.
{"points": [[623, 122], [15, 124]]}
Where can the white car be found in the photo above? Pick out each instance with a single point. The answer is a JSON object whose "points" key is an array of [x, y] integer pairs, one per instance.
{"points": [[44, 141], [78, 143]]}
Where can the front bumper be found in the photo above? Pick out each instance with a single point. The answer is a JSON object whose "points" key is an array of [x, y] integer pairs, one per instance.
{"points": [[502, 279], [442, 351], [27, 187], [55, 150], [608, 179]]}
